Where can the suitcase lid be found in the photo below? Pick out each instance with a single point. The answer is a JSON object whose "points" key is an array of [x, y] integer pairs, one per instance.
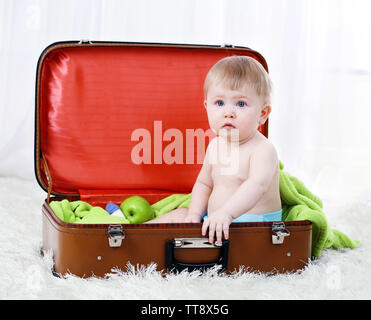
{"points": [[102, 107]]}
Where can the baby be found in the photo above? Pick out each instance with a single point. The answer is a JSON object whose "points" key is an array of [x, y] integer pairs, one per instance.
{"points": [[239, 179]]}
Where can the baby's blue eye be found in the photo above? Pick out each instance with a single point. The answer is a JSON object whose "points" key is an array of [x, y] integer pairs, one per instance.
{"points": [[241, 104], [219, 103]]}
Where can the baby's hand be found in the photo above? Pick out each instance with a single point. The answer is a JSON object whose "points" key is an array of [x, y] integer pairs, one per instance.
{"points": [[218, 222]]}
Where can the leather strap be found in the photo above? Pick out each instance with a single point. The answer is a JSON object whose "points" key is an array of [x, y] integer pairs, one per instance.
{"points": [[47, 172]]}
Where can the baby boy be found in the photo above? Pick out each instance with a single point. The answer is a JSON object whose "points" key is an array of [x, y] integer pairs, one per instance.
{"points": [[239, 179]]}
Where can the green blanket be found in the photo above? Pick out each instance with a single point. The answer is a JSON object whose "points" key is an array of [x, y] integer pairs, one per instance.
{"points": [[298, 203], [84, 213]]}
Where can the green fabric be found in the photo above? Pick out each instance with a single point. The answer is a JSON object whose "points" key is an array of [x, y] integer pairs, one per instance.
{"points": [[83, 213], [298, 203], [170, 203]]}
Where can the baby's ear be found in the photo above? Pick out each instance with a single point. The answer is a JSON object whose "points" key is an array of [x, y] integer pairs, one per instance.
{"points": [[264, 114]]}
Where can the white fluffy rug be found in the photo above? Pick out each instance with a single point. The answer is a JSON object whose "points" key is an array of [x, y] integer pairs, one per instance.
{"points": [[344, 274]]}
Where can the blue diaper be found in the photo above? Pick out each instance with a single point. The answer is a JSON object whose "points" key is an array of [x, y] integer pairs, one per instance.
{"points": [[247, 217]]}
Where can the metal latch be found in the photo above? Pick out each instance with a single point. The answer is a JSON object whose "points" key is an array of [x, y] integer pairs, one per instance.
{"points": [[279, 232], [185, 243], [115, 235]]}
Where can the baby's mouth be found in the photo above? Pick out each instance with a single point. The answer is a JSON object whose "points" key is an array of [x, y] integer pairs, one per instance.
{"points": [[228, 126]]}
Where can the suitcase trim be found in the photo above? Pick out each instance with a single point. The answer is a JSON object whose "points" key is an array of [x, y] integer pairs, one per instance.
{"points": [[60, 225]]}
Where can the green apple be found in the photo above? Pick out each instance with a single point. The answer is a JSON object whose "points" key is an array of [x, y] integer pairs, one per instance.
{"points": [[137, 209]]}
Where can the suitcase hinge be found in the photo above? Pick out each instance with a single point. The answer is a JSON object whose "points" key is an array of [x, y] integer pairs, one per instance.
{"points": [[115, 235], [279, 232]]}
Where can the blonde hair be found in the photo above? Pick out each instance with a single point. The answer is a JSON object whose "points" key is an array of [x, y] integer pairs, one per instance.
{"points": [[235, 72]]}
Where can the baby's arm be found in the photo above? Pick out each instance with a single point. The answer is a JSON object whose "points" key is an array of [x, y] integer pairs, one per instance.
{"points": [[263, 165], [201, 192]]}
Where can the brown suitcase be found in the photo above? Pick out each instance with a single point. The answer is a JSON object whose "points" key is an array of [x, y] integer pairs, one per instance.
{"points": [[90, 96]]}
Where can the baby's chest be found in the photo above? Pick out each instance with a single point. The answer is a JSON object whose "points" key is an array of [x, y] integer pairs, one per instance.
{"points": [[233, 169]]}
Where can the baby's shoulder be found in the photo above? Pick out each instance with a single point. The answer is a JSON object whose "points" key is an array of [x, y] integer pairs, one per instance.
{"points": [[264, 148]]}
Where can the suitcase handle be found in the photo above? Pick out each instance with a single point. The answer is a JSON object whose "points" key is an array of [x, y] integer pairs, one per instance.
{"points": [[172, 263]]}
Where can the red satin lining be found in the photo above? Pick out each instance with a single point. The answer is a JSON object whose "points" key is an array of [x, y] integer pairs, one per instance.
{"points": [[93, 98]]}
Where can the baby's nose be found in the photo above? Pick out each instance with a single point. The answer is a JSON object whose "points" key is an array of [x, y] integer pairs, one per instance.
{"points": [[229, 113]]}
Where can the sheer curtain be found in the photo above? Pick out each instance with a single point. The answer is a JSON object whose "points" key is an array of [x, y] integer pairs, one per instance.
{"points": [[318, 53], [319, 58]]}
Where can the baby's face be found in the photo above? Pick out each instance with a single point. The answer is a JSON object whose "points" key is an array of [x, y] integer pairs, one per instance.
{"points": [[234, 109]]}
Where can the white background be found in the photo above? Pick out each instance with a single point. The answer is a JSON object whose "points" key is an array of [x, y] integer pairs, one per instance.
{"points": [[318, 54]]}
